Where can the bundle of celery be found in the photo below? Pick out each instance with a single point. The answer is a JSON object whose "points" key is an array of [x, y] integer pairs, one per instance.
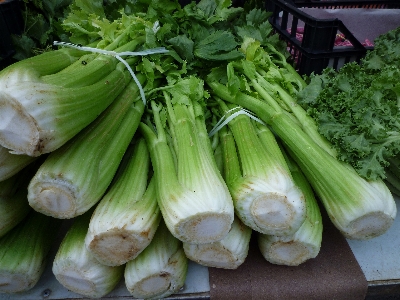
{"points": [[126, 219], [74, 177], [265, 196], [193, 197], [360, 209], [44, 107]]}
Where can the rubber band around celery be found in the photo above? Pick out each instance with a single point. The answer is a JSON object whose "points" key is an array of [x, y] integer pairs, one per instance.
{"points": [[118, 55], [221, 123]]}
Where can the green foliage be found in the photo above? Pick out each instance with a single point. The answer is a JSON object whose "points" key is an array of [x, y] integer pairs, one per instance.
{"points": [[42, 25]]}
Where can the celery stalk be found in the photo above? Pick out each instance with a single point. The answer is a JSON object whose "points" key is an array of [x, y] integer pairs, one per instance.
{"points": [[160, 270], [75, 177], [77, 270], [228, 253], [125, 220], [305, 243], [24, 250], [265, 196]]}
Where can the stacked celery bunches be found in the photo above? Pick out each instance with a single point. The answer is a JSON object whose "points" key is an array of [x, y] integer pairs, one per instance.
{"points": [[116, 137]]}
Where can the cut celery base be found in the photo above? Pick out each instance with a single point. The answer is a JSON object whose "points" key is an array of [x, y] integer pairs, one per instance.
{"points": [[228, 253], [368, 226], [213, 256], [269, 207], [204, 227], [272, 210], [18, 129], [154, 284], [13, 282], [292, 253], [54, 198], [117, 246], [76, 281]]}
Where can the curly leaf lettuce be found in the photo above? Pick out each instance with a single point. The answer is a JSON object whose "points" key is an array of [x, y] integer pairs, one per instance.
{"points": [[357, 108]]}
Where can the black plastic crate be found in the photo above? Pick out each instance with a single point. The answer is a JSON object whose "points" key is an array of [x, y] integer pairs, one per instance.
{"points": [[316, 50], [11, 22]]}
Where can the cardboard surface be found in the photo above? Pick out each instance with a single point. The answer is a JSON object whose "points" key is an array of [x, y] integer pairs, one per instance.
{"points": [[333, 274]]}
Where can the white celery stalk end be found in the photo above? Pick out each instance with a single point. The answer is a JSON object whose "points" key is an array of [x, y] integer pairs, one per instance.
{"points": [[160, 270], [265, 196], [77, 270], [126, 219], [193, 198], [23, 252], [305, 243], [228, 253], [287, 250], [74, 178], [373, 219]]}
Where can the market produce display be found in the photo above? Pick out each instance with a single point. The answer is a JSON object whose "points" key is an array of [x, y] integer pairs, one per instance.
{"points": [[168, 133]]}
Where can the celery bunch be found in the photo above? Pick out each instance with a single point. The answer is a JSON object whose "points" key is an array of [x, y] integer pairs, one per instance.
{"points": [[193, 197], [126, 218], [360, 209]]}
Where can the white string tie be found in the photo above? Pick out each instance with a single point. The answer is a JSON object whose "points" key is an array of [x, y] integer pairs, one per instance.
{"points": [[118, 55], [225, 120]]}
